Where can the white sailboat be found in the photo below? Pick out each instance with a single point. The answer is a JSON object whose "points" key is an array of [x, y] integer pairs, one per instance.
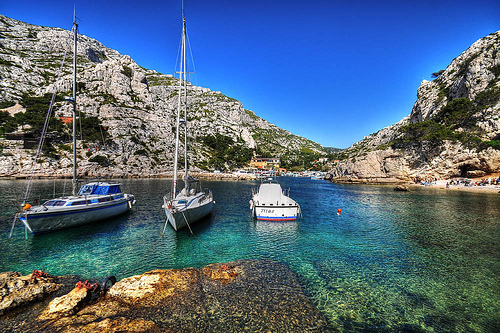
{"points": [[271, 203], [94, 201], [191, 203]]}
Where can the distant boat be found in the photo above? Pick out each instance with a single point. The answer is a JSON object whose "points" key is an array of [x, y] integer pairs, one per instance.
{"points": [[94, 202], [242, 173], [271, 203], [191, 203], [265, 174], [318, 175]]}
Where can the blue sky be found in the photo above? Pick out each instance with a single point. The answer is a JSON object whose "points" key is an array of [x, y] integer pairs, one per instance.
{"points": [[331, 71]]}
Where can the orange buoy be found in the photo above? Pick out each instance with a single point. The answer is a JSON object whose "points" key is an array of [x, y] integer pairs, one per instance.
{"points": [[27, 206], [339, 211]]}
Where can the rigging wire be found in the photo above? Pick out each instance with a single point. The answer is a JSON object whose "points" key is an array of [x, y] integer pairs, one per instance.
{"points": [[102, 136], [41, 142], [192, 58], [80, 122]]}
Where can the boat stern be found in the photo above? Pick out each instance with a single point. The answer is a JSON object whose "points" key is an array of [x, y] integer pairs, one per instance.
{"points": [[130, 200]]}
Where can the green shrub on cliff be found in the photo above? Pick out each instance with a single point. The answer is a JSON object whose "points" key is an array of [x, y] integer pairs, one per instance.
{"points": [[458, 113], [101, 160], [36, 110], [90, 129], [6, 104], [455, 121], [7, 122], [225, 150], [488, 97]]}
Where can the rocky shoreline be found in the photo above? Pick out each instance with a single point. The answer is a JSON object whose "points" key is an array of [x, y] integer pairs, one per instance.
{"points": [[244, 295], [199, 175], [439, 184]]}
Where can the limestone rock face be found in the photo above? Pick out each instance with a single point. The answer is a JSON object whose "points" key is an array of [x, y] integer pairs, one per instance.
{"points": [[376, 166], [137, 106], [474, 75]]}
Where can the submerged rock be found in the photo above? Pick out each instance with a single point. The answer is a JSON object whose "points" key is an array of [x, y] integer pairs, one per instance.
{"points": [[244, 295], [401, 188]]}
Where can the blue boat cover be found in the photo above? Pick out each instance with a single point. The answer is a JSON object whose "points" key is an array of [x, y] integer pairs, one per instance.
{"points": [[99, 189]]}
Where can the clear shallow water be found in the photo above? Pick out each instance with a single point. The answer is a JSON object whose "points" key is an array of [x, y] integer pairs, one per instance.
{"points": [[426, 260]]}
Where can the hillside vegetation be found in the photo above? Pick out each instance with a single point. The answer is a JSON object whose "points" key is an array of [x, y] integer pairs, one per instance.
{"points": [[126, 111]]}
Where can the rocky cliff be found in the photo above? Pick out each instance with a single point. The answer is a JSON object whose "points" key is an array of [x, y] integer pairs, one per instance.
{"points": [[453, 129], [135, 107]]}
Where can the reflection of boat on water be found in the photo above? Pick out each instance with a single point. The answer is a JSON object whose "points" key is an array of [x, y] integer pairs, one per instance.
{"points": [[94, 202], [191, 203], [272, 236], [289, 228], [271, 203]]}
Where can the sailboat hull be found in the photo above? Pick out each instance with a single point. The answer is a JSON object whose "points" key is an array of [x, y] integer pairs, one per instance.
{"points": [[41, 222], [196, 208]]}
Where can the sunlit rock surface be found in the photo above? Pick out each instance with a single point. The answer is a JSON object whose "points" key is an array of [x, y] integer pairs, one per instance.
{"points": [[244, 295], [17, 291]]}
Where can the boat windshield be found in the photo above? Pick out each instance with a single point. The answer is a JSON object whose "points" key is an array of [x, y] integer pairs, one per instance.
{"points": [[52, 203]]}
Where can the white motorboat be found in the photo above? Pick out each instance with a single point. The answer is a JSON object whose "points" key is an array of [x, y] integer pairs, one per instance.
{"points": [[94, 202], [271, 203], [191, 203]]}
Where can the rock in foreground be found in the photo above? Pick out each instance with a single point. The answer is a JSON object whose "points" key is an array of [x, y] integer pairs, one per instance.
{"points": [[245, 295], [17, 291]]}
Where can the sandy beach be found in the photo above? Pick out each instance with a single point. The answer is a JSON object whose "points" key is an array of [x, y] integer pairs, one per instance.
{"points": [[442, 184]]}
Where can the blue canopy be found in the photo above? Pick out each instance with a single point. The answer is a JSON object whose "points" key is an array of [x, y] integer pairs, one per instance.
{"points": [[99, 189]]}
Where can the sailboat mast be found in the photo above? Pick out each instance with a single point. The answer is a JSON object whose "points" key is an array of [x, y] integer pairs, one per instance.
{"points": [[75, 28], [179, 105], [184, 41]]}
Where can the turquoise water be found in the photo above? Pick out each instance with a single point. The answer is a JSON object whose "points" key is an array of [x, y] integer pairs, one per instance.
{"points": [[419, 261]]}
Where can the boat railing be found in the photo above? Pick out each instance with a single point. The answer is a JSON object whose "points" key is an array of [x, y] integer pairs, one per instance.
{"points": [[207, 195], [39, 200]]}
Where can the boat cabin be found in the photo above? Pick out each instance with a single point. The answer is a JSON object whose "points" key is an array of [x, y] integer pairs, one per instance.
{"points": [[106, 191], [270, 193]]}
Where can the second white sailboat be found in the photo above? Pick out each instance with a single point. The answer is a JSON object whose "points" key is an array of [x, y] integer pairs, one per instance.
{"points": [[190, 204]]}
